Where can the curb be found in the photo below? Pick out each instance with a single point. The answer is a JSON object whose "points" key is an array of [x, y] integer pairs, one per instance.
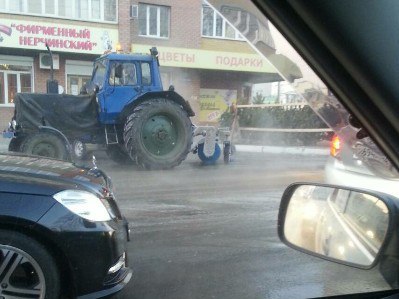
{"points": [[4, 145], [293, 150]]}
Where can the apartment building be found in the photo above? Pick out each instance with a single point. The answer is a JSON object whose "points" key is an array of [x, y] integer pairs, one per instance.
{"points": [[201, 54], [77, 31]]}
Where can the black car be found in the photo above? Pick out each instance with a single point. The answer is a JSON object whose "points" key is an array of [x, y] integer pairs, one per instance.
{"points": [[61, 232]]}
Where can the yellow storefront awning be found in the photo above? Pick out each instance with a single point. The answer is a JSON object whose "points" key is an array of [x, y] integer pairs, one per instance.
{"points": [[211, 60]]}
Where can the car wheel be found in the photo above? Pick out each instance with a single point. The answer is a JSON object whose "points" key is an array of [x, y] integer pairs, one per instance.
{"points": [[227, 153], [79, 149], [27, 269]]}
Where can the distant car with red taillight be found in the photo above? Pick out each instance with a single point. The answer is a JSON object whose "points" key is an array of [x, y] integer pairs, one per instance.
{"points": [[346, 169]]}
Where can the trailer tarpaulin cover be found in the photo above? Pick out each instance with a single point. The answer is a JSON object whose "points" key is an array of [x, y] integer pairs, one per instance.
{"points": [[72, 115]]}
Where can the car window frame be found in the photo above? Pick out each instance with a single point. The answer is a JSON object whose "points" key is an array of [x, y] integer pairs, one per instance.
{"points": [[313, 41]]}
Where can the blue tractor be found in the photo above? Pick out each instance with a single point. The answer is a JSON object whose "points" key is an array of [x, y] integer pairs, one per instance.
{"points": [[123, 107]]}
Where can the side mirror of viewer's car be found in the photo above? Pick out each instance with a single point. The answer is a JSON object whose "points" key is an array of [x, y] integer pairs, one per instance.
{"points": [[340, 224]]}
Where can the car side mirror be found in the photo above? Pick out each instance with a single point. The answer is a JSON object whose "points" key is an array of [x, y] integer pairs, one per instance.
{"points": [[339, 224]]}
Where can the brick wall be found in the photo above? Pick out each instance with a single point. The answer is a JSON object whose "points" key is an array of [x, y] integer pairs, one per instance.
{"points": [[185, 25], [124, 27], [42, 75]]}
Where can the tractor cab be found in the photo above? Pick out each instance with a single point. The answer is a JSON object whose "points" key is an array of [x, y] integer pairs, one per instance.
{"points": [[122, 78]]}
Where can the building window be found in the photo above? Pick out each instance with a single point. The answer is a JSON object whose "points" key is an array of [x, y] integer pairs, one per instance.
{"points": [[65, 8], [15, 5], [154, 20], [75, 83], [78, 73], [35, 6], [85, 10], [96, 9], [110, 10], [49, 7], [213, 25], [82, 9], [13, 79]]}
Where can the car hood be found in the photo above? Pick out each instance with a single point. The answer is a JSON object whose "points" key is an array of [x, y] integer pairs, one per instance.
{"points": [[38, 175]]}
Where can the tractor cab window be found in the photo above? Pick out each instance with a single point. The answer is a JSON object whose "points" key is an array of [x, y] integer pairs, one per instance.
{"points": [[99, 74], [145, 73], [123, 74]]}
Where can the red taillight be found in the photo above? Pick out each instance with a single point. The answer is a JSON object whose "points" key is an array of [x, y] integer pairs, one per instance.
{"points": [[335, 146]]}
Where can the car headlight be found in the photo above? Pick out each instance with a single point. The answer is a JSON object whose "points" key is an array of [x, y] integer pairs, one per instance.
{"points": [[84, 204]]}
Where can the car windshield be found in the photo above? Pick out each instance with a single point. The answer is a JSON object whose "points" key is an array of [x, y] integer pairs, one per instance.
{"points": [[200, 140]]}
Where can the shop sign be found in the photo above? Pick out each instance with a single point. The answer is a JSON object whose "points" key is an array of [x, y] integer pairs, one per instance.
{"points": [[60, 37], [213, 102], [205, 59]]}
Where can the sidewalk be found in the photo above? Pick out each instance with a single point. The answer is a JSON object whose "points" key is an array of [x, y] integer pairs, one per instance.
{"points": [[4, 144], [293, 150]]}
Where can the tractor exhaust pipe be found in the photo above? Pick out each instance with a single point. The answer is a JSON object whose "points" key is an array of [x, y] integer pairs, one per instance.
{"points": [[52, 85]]}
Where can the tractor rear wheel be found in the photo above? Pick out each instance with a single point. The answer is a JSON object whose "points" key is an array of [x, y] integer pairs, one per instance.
{"points": [[158, 134], [46, 145]]}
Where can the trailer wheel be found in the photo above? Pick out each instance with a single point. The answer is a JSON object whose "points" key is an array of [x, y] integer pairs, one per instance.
{"points": [[79, 149], [227, 153], [158, 134], [15, 144], [46, 145], [116, 153]]}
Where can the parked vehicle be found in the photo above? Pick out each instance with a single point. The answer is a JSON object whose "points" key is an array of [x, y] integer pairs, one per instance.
{"points": [[61, 231], [345, 168]]}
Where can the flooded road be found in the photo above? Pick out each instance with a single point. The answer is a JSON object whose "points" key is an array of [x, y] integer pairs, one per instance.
{"points": [[211, 232]]}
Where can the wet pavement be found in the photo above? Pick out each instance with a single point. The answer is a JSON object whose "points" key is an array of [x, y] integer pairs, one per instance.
{"points": [[211, 232]]}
